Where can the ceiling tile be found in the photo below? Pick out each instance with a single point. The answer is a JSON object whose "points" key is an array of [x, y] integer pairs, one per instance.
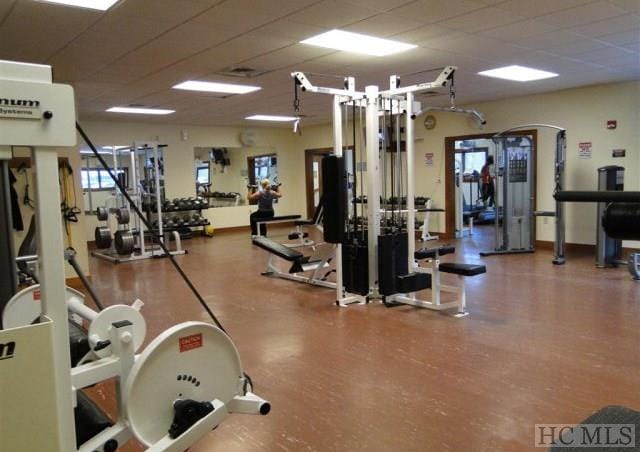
{"points": [[550, 40], [482, 19], [380, 5], [584, 14], [608, 26], [430, 11], [632, 6], [384, 25], [575, 48], [529, 8], [50, 28], [424, 33], [519, 30], [332, 14], [631, 37]]}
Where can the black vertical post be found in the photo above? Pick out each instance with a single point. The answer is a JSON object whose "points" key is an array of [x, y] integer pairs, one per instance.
{"points": [[8, 285]]}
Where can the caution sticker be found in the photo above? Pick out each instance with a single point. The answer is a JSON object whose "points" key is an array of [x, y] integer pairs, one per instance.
{"points": [[37, 294], [190, 342]]}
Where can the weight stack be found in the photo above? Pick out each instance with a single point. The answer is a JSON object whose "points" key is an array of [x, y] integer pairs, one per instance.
{"points": [[355, 268], [334, 198], [393, 261]]}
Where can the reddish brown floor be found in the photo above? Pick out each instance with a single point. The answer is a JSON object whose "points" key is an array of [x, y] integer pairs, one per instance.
{"points": [[542, 344]]}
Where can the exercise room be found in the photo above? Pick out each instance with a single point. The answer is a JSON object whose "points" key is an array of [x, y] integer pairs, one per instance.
{"points": [[319, 225]]}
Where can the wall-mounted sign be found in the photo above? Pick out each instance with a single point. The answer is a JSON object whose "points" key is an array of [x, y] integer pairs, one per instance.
{"points": [[584, 150], [428, 159], [617, 153], [612, 124]]}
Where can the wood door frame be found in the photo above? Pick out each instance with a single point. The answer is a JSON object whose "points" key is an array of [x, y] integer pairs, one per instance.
{"points": [[449, 168], [308, 175]]}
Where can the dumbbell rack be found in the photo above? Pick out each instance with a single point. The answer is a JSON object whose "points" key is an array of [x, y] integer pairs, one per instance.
{"points": [[141, 249], [180, 206]]}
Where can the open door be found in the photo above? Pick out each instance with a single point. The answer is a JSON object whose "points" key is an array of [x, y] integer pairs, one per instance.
{"points": [[313, 174]]}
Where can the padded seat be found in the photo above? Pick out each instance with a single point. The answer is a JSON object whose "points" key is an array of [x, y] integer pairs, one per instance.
{"points": [[462, 269], [279, 219], [278, 249], [431, 253], [307, 222]]}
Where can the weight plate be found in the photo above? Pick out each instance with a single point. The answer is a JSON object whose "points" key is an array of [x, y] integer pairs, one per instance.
{"points": [[102, 213], [102, 237], [122, 214], [124, 242]]}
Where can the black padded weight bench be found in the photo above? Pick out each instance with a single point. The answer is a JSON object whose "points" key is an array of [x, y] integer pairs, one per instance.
{"points": [[461, 270], [274, 220], [316, 265]]}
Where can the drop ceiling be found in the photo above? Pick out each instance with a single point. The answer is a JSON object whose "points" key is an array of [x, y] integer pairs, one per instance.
{"points": [[134, 53]]}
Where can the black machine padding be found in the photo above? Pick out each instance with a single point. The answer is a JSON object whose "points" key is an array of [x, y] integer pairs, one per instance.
{"points": [[597, 196], [462, 269], [89, 418], [280, 218], [413, 282], [278, 249], [431, 253], [78, 343], [334, 204], [622, 221]]}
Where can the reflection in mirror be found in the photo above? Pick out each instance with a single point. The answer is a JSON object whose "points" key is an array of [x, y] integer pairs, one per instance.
{"points": [[223, 174]]}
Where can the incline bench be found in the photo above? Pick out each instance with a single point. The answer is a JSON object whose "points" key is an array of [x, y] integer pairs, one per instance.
{"points": [[461, 270], [316, 264]]}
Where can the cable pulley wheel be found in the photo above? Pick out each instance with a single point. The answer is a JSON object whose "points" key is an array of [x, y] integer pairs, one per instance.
{"points": [[102, 213], [123, 216], [124, 242], [102, 237]]}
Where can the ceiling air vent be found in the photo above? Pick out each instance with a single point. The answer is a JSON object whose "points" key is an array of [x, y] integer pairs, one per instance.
{"points": [[241, 71]]}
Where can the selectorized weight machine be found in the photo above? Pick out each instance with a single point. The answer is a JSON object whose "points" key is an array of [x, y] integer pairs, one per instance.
{"points": [[375, 246], [179, 388], [515, 212]]}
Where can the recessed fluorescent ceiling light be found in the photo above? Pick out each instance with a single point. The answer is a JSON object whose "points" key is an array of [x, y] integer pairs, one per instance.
{"points": [[271, 118], [101, 5], [214, 87], [518, 73], [357, 43], [141, 111]]}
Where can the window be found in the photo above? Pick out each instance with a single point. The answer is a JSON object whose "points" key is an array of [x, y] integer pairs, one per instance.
{"points": [[99, 179], [264, 167], [202, 175]]}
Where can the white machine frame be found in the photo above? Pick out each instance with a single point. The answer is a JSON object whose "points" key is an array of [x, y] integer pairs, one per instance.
{"points": [[36, 113], [400, 101]]}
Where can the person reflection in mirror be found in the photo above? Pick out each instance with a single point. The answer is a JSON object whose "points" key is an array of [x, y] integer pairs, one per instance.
{"points": [[264, 198]]}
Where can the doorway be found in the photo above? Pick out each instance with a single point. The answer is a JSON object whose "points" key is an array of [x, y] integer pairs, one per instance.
{"points": [[313, 174], [465, 201]]}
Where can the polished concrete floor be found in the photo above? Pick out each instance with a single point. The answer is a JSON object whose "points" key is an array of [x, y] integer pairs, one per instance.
{"points": [[542, 344]]}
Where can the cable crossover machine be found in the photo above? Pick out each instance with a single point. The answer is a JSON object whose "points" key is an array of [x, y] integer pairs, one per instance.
{"points": [[374, 159]]}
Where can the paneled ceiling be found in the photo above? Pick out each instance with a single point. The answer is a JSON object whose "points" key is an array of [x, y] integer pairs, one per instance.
{"points": [[135, 52]]}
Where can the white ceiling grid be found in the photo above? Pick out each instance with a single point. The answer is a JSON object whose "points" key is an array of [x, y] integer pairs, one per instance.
{"points": [[135, 52]]}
